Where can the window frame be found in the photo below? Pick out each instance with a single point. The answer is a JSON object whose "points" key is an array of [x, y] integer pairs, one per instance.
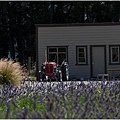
{"points": [[57, 52], [111, 62], [85, 54]]}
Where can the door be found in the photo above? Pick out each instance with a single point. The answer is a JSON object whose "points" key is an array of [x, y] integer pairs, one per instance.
{"points": [[98, 60]]}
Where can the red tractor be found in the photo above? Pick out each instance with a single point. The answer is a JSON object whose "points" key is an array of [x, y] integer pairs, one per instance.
{"points": [[53, 71]]}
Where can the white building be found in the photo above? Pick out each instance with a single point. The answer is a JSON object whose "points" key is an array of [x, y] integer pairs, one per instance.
{"points": [[90, 49]]}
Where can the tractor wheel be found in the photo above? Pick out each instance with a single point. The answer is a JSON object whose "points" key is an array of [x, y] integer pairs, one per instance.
{"points": [[60, 76], [42, 77], [67, 75]]}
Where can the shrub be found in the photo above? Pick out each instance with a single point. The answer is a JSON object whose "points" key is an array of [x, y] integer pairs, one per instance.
{"points": [[74, 100], [61, 100], [10, 72]]}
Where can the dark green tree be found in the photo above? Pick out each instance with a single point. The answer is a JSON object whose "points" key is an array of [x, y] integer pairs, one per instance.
{"points": [[18, 19]]}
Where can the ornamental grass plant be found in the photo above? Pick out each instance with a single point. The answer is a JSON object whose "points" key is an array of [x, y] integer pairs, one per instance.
{"points": [[10, 72]]}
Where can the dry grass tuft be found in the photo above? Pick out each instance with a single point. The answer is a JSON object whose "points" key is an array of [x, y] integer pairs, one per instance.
{"points": [[10, 71]]}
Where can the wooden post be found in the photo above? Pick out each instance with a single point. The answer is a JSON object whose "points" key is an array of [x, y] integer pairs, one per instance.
{"points": [[29, 64]]}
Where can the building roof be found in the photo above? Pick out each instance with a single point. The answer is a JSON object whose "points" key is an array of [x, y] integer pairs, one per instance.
{"points": [[78, 24]]}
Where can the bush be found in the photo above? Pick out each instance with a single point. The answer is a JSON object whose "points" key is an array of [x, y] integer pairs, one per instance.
{"points": [[44, 100], [10, 72]]}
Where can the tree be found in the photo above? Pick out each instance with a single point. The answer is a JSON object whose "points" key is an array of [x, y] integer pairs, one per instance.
{"points": [[3, 30], [18, 19]]}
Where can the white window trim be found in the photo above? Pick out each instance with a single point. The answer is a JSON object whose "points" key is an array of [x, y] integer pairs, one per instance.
{"points": [[111, 54], [81, 63], [57, 51]]}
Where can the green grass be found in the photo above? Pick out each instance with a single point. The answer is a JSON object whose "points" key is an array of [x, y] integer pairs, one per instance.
{"points": [[33, 78], [21, 103]]}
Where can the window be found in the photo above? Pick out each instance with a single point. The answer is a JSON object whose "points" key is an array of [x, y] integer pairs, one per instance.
{"points": [[81, 55], [114, 54], [57, 54]]}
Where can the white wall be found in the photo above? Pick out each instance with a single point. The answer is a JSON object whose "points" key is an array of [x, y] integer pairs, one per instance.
{"points": [[74, 36]]}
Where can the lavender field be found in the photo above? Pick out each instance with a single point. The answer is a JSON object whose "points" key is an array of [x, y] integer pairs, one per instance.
{"points": [[73, 99]]}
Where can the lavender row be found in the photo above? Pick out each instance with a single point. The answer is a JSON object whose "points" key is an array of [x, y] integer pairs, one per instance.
{"points": [[61, 100]]}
